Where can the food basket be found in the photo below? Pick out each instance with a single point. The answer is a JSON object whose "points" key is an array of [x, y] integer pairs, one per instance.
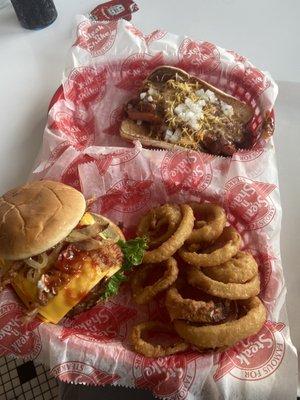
{"points": [[82, 148]]}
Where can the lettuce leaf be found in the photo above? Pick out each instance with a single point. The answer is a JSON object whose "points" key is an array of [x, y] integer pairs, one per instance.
{"points": [[133, 251]]}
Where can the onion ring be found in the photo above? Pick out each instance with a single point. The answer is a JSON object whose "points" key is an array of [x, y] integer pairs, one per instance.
{"points": [[228, 333], [211, 223], [151, 223], [240, 269], [170, 246], [141, 294], [233, 291], [225, 247], [195, 310], [151, 350]]}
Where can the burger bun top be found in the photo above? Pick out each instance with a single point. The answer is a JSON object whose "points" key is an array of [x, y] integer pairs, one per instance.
{"points": [[36, 216]]}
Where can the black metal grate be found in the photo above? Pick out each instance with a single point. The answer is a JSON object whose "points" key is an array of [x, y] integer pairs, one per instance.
{"points": [[25, 381]]}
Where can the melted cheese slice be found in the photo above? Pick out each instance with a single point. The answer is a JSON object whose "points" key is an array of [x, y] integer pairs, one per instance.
{"points": [[87, 219], [67, 297]]}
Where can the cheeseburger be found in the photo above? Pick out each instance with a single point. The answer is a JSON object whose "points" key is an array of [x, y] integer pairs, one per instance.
{"points": [[57, 256]]}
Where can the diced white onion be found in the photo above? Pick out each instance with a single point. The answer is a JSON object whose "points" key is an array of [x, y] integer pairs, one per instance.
{"points": [[172, 137], [152, 92], [212, 97], [208, 96], [190, 112], [179, 109], [168, 134], [227, 109]]}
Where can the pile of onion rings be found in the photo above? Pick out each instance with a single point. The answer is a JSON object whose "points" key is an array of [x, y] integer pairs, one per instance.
{"points": [[210, 286]]}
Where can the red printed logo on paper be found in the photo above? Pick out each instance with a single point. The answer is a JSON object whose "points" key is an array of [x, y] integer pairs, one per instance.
{"points": [[256, 81], [99, 324], [249, 202], [270, 280], [156, 35], [186, 170], [237, 57], [255, 358], [80, 133], [124, 156], [117, 157], [237, 73], [201, 57], [71, 174], [56, 153], [222, 165], [255, 169], [250, 78], [135, 31], [15, 338], [85, 86], [136, 68], [248, 155], [115, 119], [166, 376], [127, 195], [79, 372], [97, 38]]}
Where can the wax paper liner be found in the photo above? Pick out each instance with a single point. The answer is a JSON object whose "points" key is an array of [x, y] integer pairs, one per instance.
{"points": [[107, 64]]}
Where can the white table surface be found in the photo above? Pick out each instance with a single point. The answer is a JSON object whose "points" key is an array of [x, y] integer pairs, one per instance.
{"points": [[268, 32]]}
